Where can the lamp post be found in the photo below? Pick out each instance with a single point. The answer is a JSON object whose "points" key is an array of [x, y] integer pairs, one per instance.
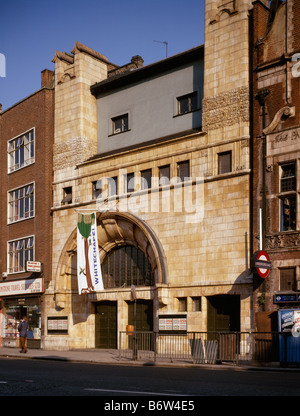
{"points": [[133, 295]]}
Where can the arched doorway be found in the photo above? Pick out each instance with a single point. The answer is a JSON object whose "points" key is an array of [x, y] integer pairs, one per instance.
{"points": [[130, 254]]}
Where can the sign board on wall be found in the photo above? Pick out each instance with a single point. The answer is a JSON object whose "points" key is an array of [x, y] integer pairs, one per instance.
{"points": [[21, 287], [174, 324], [262, 263], [34, 266], [57, 325], [287, 298]]}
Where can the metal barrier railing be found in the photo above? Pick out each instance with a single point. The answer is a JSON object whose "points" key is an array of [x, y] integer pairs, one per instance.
{"points": [[211, 347]]}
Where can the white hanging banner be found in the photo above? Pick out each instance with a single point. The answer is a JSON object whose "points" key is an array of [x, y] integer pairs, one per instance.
{"points": [[88, 261]]}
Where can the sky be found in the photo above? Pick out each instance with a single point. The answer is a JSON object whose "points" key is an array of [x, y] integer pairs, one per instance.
{"points": [[31, 31]]}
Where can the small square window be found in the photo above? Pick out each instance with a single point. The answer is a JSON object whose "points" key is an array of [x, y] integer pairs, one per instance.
{"points": [[183, 171], [187, 103], [120, 124], [182, 304], [146, 179], [97, 189], [113, 186], [288, 279], [67, 199], [224, 162], [129, 182], [196, 302], [164, 175]]}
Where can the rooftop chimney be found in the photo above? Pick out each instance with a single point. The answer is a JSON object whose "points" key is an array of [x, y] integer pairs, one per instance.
{"points": [[47, 78]]}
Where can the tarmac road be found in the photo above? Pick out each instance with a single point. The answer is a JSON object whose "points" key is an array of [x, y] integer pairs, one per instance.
{"points": [[21, 377]]}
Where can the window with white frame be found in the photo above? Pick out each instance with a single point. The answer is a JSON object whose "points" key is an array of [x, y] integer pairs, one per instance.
{"points": [[21, 203], [20, 151], [19, 252]]}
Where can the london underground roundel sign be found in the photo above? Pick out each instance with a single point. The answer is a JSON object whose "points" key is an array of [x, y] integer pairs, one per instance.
{"points": [[262, 264]]}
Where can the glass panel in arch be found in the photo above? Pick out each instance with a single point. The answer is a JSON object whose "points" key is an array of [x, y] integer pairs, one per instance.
{"points": [[125, 266]]}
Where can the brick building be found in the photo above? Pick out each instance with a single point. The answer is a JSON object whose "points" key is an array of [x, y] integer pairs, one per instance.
{"points": [[276, 152], [26, 140]]}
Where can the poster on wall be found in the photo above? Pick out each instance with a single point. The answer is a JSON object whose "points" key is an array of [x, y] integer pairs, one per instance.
{"points": [[172, 324], [88, 261], [289, 320]]}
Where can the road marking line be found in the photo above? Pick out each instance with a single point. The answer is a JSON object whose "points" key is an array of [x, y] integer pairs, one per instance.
{"points": [[137, 392]]}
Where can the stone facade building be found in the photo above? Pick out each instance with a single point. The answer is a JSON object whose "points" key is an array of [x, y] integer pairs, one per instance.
{"points": [[26, 140], [276, 133], [161, 154]]}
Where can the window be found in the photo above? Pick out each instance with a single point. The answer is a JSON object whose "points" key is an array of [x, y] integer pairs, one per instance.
{"points": [[224, 162], [125, 266], [183, 171], [288, 177], [129, 182], [67, 199], [21, 203], [120, 124], [146, 179], [196, 302], [113, 186], [288, 213], [187, 103], [21, 151], [97, 189], [164, 175], [182, 304], [19, 251], [288, 279]]}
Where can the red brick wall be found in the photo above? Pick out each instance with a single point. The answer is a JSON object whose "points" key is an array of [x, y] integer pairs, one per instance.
{"points": [[269, 54], [36, 111]]}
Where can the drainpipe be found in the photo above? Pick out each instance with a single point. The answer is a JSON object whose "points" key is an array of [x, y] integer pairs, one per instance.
{"points": [[261, 97]]}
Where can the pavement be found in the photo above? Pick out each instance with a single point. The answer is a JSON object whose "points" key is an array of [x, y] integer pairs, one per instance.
{"points": [[112, 357]]}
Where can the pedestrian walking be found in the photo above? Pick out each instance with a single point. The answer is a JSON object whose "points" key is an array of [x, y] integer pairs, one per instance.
{"points": [[23, 328]]}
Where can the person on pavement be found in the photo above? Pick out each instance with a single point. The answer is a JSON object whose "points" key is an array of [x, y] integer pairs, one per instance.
{"points": [[23, 329]]}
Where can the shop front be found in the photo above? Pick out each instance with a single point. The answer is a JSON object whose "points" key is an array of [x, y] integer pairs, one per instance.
{"points": [[18, 299]]}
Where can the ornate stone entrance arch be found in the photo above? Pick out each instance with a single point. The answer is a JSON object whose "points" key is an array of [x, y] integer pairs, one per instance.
{"points": [[114, 229]]}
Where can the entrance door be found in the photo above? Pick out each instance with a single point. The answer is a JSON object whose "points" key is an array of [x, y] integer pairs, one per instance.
{"points": [[223, 313], [144, 322], [223, 316], [144, 315], [106, 325]]}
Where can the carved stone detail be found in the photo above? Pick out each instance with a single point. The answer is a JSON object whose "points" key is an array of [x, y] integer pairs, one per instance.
{"points": [[225, 6], [283, 241], [226, 109]]}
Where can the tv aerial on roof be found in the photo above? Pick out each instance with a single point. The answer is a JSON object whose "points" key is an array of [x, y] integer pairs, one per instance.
{"points": [[165, 43]]}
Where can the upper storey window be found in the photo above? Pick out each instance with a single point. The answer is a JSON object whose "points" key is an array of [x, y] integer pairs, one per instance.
{"points": [[187, 103], [288, 177], [288, 196], [21, 203], [120, 124], [21, 151]]}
